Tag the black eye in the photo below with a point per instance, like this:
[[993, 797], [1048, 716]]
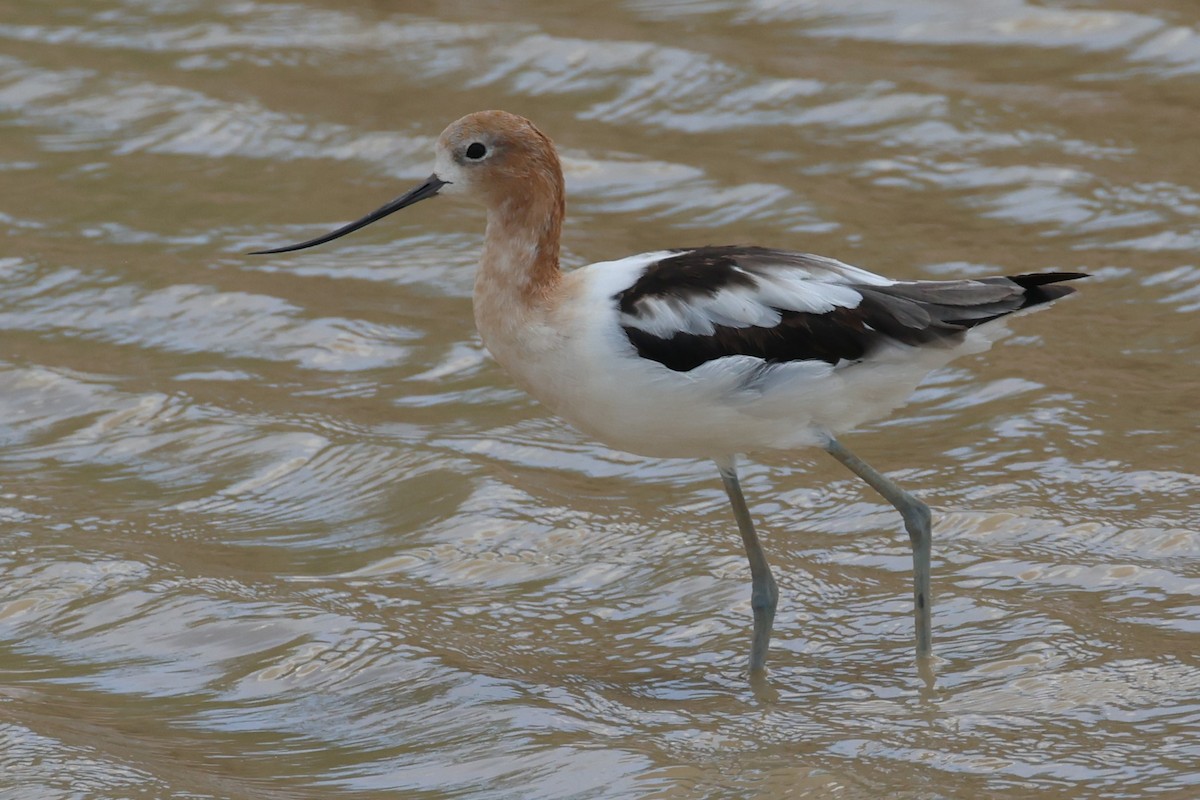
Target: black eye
[[476, 151]]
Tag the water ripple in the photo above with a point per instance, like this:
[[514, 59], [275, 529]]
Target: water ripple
[[279, 528]]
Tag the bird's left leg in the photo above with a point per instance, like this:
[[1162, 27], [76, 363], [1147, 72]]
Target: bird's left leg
[[916, 522], [763, 594]]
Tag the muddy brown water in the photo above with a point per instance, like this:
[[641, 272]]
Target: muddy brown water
[[278, 528]]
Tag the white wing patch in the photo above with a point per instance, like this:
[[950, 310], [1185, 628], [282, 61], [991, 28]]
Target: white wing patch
[[740, 306], [666, 316], [796, 292]]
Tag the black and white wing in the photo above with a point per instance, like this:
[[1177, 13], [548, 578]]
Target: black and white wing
[[698, 305]]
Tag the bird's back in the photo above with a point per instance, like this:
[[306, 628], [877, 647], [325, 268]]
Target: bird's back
[[703, 304]]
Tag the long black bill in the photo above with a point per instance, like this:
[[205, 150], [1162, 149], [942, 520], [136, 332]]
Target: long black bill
[[423, 192]]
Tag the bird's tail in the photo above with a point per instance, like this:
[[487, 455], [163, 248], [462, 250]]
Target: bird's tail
[[1043, 287]]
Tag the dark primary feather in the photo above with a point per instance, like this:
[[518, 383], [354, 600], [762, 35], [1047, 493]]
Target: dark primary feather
[[912, 313]]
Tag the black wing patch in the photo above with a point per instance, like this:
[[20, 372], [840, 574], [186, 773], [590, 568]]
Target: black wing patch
[[838, 335], [913, 313]]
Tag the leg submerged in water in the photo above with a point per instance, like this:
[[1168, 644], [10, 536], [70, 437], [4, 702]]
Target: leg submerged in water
[[764, 596], [917, 523]]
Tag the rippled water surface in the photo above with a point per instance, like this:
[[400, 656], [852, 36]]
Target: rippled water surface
[[277, 527]]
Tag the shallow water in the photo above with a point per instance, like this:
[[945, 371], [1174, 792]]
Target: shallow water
[[278, 528]]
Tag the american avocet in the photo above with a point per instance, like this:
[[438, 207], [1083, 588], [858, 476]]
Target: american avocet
[[705, 351]]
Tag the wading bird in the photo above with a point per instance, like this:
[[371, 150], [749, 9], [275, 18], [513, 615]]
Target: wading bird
[[708, 351]]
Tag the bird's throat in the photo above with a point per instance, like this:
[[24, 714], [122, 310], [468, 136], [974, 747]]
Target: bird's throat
[[519, 268]]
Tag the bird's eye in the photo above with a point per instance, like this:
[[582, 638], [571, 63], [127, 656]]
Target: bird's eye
[[476, 151]]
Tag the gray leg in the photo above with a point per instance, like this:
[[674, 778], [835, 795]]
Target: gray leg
[[916, 522], [763, 594]]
